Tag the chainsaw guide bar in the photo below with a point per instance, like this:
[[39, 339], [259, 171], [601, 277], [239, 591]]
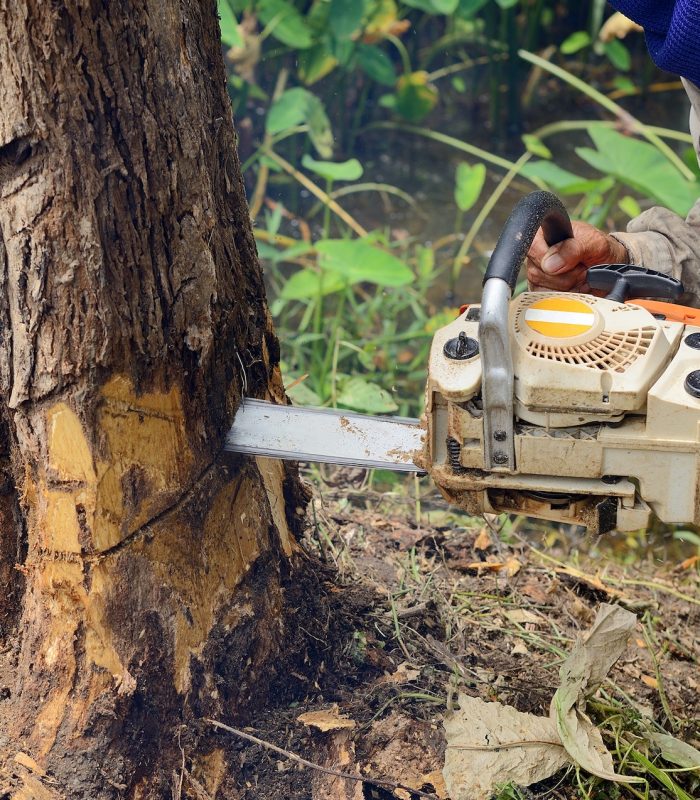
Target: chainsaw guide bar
[[326, 435]]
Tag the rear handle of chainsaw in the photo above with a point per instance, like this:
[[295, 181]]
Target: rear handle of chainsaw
[[539, 209]]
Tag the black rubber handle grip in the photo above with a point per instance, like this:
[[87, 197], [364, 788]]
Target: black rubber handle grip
[[538, 209]]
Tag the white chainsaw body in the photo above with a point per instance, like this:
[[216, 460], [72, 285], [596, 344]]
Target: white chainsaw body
[[603, 427]]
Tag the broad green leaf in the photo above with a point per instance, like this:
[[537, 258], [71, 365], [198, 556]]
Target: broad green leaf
[[271, 253], [536, 146], [507, 3], [434, 6], [346, 17], [285, 23], [320, 131], [618, 54], [361, 395], [307, 284], [469, 181], [468, 8], [640, 165], [350, 170], [315, 63], [230, 35], [557, 178], [415, 97], [630, 206], [290, 109], [376, 64], [303, 395], [343, 50], [577, 41], [296, 106], [358, 262]]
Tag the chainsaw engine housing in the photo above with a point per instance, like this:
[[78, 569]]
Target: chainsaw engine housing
[[604, 426]]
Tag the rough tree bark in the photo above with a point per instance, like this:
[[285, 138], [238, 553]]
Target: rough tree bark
[[142, 573]]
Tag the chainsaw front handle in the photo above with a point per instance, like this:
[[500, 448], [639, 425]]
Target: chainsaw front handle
[[539, 209]]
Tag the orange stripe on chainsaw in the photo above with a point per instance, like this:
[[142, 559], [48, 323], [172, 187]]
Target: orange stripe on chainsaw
[[560, 317]]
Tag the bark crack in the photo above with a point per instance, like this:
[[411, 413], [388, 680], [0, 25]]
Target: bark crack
[[144, 529]]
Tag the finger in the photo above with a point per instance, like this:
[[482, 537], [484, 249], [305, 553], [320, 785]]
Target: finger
[[563, 257], [564, 282], [538, 247]]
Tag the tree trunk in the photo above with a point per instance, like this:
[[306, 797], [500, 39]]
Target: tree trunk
[[143, 569]]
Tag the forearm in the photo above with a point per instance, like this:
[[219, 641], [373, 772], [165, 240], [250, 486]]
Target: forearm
[[661, 240]]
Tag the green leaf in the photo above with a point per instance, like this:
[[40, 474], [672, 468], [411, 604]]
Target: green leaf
[[577, 41], [350, 170], [425, 261], [557, 178], [469, 181], [315, 63], [376, 64], [288, 110], [624, 84], [346, 17], [360, 262], [361, 395], [469, 8], [303, 395], [434, 6], [687, 536], [618, 54], [640, 166], [507, 3], [415, 97], [285, 23], [296, 106], [230, 35], [307, 284], [630, 206], [536, 146]]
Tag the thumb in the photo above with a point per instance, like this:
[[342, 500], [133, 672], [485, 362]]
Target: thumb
[[562, 257]]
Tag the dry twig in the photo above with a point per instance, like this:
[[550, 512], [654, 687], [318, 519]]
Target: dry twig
[[380, 782]]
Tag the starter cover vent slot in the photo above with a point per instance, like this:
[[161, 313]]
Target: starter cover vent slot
[[610, 350]]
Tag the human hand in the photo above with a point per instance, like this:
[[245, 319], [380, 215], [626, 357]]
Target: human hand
[[564, 266]]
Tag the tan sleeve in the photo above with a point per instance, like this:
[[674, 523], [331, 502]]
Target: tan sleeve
[[661, 240]]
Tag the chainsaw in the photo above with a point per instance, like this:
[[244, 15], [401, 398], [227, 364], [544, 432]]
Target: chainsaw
[[576, 408]]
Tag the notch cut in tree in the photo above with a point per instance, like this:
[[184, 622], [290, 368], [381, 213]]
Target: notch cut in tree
[[144, 573]]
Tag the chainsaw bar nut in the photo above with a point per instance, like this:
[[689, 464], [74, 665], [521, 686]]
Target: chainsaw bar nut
[[461, 347]]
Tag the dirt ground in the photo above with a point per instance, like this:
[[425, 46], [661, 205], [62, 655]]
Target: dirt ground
[[439, 603]]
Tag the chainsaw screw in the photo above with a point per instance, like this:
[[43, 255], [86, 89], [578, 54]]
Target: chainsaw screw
[[499, 436], [499, 457]]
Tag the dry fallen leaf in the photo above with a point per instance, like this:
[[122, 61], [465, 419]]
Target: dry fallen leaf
[[489, 744], [404, 674], [512, 567], [522, 616], [581, 674], [675, 751], [329, 719], [483, 540], [650, 681], [530, 750], [519, 649]]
